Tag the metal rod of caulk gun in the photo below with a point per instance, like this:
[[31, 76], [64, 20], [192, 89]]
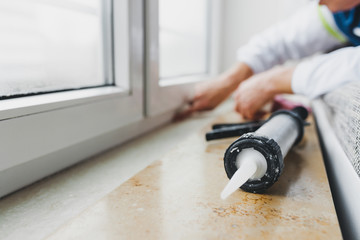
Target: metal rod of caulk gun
[[254, 162]]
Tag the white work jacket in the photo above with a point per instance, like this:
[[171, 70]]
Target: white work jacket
[[304, 34]]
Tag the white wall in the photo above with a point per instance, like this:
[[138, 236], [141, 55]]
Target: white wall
[[244, 18]]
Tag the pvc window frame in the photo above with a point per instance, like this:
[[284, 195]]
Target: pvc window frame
[[163, 96], [41, 126]]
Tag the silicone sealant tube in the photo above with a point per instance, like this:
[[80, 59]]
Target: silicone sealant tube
[[254, 162]]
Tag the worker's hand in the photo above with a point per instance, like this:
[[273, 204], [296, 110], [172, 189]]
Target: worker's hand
[[210, 94], [255, 92]]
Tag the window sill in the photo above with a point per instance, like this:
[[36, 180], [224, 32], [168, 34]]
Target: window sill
[[58, 198]]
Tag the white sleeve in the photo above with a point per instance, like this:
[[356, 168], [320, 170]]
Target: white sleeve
[[300, 36], [325, 73]]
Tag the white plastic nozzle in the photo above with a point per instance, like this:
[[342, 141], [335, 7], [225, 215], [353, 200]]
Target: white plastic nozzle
[[251, 164], [247, 169]]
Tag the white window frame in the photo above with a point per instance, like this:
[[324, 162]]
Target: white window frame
[[166, 96], [39, 133], [43, 134]]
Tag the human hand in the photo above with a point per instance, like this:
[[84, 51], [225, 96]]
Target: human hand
[[255, 92], [210, 94]]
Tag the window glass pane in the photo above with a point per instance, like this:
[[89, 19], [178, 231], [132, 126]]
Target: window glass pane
[[183, 37], [49, 45]]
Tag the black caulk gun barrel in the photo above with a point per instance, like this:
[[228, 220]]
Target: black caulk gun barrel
[[272, 140]]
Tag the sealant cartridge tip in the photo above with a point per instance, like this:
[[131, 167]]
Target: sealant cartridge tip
[[251, 165], [247, 169]]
